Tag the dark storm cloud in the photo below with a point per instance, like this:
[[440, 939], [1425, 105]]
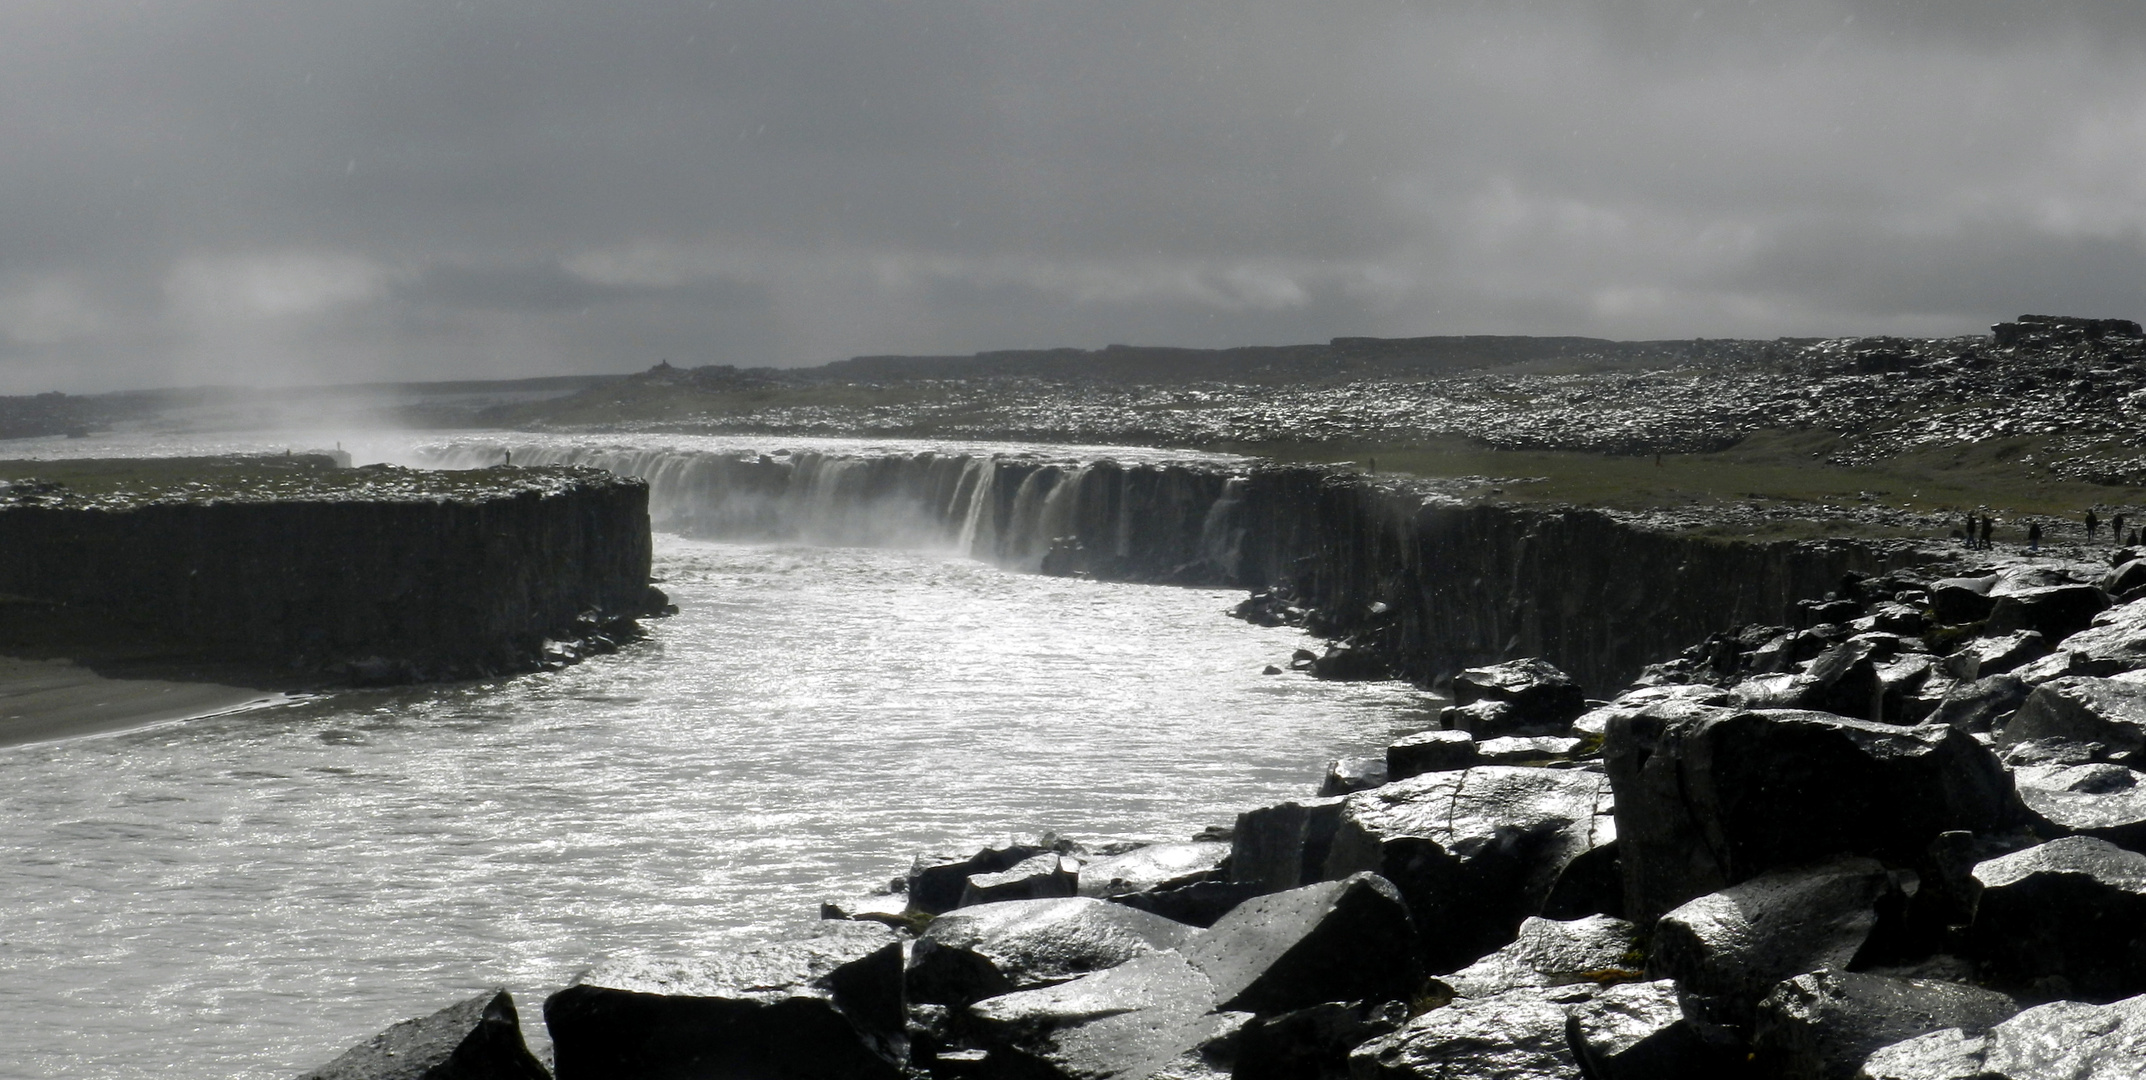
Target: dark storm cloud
[[203, 190]]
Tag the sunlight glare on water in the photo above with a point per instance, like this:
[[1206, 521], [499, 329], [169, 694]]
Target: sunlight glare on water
[[246, 896]]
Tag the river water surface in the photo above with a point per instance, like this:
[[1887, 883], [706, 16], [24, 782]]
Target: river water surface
[[246, 895]]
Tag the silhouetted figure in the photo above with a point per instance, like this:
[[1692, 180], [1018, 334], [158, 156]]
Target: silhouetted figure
[[2034, 536], [1986, 526], [2116, 529], [2091, 522], [509, 457]]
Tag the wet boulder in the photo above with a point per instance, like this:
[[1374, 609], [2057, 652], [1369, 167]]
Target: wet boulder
[[1982, 657], [1285, 845], [2111, 712], [2115, 642], [1981, 705], [1824, 1025], [1475, 851], [2064, 919], [2063, 1040], [2055, 611], [1726, 950], [1483, 719], [991, 949], [828, 1005], [1346, 940], [1199, 903], [1154, 866], [1529, 750], [1133, 1020], [1548, 952], [2086, 798], [936, 881], [1348, 774], [477, 1039], [1035, 878], [1543, 698], [1707, 800], [1637, 1031], [1430, 751], [2124, 577], [1517, 1035], [1844, 680]]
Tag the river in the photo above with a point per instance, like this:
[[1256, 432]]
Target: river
[[245, 895]]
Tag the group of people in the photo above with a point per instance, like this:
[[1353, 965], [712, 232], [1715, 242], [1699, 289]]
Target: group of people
[[1979, 527]]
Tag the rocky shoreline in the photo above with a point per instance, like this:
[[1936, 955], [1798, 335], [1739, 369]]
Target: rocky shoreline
[[1900, 840]]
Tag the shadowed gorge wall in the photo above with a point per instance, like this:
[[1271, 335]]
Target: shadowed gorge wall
[[463, 584], [1432, 584]]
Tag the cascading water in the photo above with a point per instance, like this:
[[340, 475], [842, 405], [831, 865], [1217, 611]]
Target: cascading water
[[1147, 520]]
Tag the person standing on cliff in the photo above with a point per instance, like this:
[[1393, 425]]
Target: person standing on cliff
[[2091, 521], [1987, 524], [2034, 536], [2116, 529]]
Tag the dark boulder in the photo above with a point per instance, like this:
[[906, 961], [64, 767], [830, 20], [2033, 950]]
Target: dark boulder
[[1547, 952], [1726, 950], [1962, 600], [1347, 940], [1285, 845], [1154, 866], [1474, 852], [1200, 903], [1133, 1020], [936, 881], [1483, 719], [1981, 705], [1344, 662], [2088, 798], [825, 1006], [1035, 878], [1312, 1043], [1824, 1025], [477, 1039], [1542, 696], [1708, 800], [2064, 919], [2063, 1040], [1429, 751], [2111, 712], [1844, 680], [1517, 1035], [2055, 611], [991, 949], [1350, 774], [2124, 577], [1637, 1031]]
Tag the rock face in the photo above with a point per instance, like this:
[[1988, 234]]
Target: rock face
[[1707, 800], [829, 1005], [1130, 1021], [2111, 712], [1517, 1035], [990, 949], [383, 584], [1727, 950], [1826, 1024], [2065, 919], [1547, 952], [1474, 852], [478, 1039], [1347, 940], [1155, 866], [2063, 1040], [1543, 699], [1637, 1031]]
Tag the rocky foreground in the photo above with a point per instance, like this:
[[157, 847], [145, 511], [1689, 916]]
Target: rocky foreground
[[1905, 840]]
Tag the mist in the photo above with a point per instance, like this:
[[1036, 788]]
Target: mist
[[235, 191]]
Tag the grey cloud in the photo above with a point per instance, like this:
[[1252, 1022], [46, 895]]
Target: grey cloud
[[433, 188]]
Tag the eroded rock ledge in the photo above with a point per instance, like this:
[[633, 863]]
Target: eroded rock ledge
[[375, 574]]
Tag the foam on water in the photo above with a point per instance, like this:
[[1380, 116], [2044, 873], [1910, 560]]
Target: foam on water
[[244, 896]]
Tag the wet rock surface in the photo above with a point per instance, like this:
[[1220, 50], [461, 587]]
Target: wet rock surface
[[1519, 1035], [1827, 1023], [477, 1039], [2063, 1040], [2065, 919], [991, 949]]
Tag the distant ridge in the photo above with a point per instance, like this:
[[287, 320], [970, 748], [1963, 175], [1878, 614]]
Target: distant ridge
[[1348, 356]]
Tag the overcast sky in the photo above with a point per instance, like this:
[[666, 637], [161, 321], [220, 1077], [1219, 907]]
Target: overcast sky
[[336, 190]]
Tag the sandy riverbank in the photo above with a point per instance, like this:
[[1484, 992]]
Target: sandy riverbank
[[58, 699]]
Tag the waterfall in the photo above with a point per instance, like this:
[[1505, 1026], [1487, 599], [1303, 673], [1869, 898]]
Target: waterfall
[[1148, 522]]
